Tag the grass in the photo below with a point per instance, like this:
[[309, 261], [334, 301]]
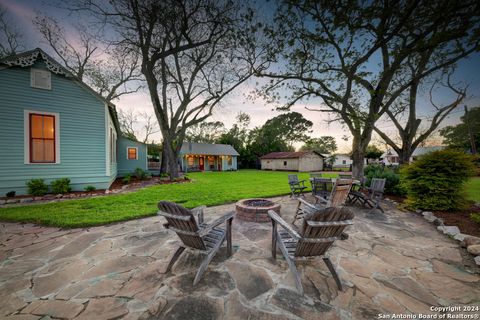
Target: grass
[[473, 189], [206, 188]]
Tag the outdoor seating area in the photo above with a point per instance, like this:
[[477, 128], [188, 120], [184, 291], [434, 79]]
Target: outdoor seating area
[[390, 262]]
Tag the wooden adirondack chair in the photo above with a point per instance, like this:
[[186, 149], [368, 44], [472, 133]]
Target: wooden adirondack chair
[[337, 198], [372, 195], [322, 187], [317, 235], [195, 234], [296, 186]]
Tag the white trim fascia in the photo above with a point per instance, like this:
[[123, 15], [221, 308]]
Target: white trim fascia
[[26, 136], [107, 141], [136, 153]]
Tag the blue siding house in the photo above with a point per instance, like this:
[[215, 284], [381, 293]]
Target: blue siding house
[[54, 126]]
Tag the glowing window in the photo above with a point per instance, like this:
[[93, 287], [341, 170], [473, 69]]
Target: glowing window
[[42, 138], [132, 153]]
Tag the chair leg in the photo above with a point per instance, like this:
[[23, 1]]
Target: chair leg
[[174, 259], [229, 237], [333, 272], [206, 261], [291, 264]]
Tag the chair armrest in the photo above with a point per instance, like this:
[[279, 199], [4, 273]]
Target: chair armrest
[[276, 218], [308, 204], [198, 213], [214, 223], [321, 199]]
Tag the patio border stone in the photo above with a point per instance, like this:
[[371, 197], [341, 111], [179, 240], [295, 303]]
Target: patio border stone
[[471, 243]]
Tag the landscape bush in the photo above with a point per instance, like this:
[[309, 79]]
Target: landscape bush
[[10, 194], [392, 184], [475, 217], [435, 181], [37, 187], [61, 185], [90, 188], [127, 179], [140, 174]]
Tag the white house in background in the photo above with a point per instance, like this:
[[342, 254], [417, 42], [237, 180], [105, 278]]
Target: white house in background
[[390, 158], [342, 160]]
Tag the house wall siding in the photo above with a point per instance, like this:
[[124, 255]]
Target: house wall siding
[[311, 162], [82, 132], [126, 166], [279, 164]]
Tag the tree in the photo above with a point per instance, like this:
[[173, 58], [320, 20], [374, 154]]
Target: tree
[[349, 54], [411, 134], [192, 54], [373, 152], [279, 134], [324, 145], [110, 71], [458, 136], [10, 36], [237, 136], [205, 132], [129, 125]]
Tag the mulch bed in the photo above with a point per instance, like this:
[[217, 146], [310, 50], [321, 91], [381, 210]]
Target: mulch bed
[[461, 219]]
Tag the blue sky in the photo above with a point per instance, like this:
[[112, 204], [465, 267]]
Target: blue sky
[[22, 12]]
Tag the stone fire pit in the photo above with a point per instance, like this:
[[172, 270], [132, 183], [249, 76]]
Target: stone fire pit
[[255, 210]]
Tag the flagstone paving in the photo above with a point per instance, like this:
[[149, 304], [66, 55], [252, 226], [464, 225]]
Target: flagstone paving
[[392, 263]]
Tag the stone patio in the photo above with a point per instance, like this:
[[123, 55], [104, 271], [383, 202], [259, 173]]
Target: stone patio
[[392, 263]]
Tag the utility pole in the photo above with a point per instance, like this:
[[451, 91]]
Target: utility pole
[[470, 135]]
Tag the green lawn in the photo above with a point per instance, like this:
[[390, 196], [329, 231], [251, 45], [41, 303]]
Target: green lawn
[[207, 188], [473, 189]]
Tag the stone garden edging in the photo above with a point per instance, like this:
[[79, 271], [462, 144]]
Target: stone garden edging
[[472, 243]]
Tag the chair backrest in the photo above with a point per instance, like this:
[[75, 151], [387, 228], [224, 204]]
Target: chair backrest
[[322, 186], [344, 176], [182, 221], [321, 229], [292, 179], [315, 175], [340, 192], [377, 185]]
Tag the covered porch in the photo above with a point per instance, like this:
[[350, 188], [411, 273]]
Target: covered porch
[[204, 162]]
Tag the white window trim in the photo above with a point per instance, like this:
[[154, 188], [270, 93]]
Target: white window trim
[[32, 82], [136, 153], [26, 137]]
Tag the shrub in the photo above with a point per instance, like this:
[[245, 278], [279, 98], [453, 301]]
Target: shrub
[[37, 187], [164, 175], [10, 194], [61, 185], [140, 174], [126, 179], [475, 217], [90, 188], [435, 181], [392, 185]]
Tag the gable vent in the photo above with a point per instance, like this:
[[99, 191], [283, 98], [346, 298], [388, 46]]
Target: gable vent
[[40, 79]]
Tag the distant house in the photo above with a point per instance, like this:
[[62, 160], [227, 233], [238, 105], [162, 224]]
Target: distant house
[[307, 161], [390, 158], [54, 126], [207, 157], [342, 161]]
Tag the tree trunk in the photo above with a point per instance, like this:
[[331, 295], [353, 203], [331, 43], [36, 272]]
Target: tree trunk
[[170, 156], [359, 146], [404, 156], [163, 163]]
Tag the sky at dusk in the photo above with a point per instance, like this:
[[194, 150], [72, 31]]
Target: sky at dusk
[[22, 12]]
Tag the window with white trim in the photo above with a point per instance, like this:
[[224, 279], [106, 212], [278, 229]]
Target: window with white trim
[[132, 153], [40, 79], [41, 137]]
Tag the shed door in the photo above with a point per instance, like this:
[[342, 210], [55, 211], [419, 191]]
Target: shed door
[[201, 164]]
